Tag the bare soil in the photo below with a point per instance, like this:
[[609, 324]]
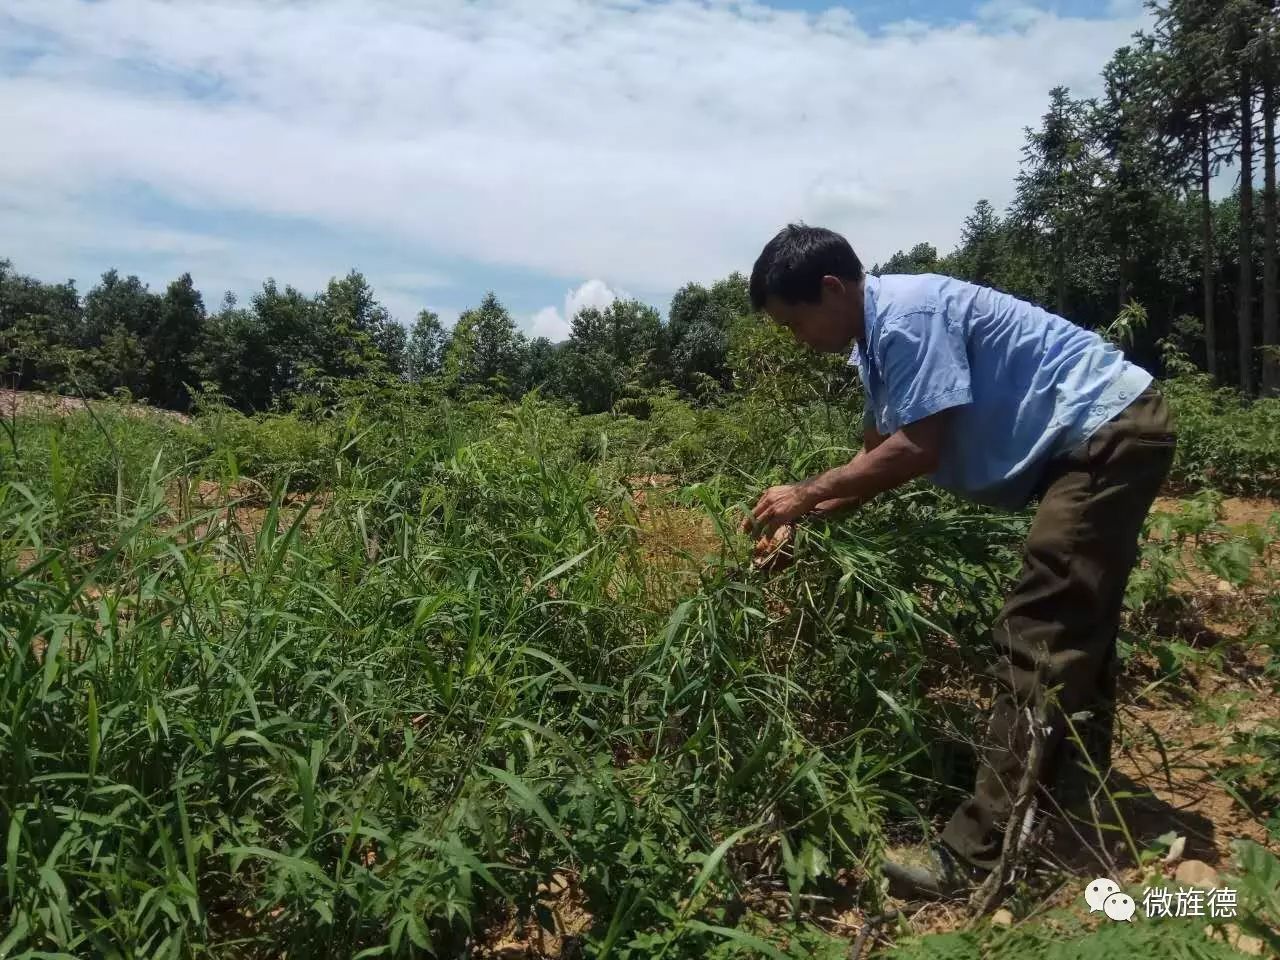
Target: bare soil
[[25, 402]]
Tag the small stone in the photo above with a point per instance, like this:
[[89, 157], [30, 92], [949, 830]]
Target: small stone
[[1002, 918], [1251, 946], [1236, 939], [1196, 873]]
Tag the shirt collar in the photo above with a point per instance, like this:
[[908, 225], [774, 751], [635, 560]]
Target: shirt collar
[[871, 287]]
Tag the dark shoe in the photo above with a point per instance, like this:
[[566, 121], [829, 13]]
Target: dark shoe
[[930, 872]]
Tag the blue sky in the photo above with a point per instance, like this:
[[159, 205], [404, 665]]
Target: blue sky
[[558, 153], [879, 13]]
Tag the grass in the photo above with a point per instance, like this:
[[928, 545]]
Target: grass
[[398, 681]]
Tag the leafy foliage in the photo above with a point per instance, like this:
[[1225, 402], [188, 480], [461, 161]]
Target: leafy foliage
[[363, 681]]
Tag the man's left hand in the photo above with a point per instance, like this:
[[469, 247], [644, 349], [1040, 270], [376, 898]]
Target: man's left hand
[[780, 505]]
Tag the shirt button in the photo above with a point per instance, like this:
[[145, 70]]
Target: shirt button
[[1124, 395]]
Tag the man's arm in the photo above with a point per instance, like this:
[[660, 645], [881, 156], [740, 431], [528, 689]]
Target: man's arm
[[925, 369], [926, 372], [911, 452], [871, 438]]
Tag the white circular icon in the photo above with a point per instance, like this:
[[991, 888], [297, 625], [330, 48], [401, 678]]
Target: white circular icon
[[1096, 893], [1119, 906]]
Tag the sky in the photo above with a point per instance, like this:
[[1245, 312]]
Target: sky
[[557, 152]]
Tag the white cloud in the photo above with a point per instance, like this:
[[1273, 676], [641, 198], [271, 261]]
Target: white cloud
[[653, 143], [549, 322], [554, 323], [593, 293]]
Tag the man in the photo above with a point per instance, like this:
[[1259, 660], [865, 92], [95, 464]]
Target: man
[[1001, 403]]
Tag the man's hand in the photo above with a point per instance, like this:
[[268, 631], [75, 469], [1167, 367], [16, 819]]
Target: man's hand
[[778, 506]]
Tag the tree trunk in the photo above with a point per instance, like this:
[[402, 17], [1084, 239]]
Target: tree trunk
[[1060, 279], [1270, 308], [1244, 305], [1207, 266]]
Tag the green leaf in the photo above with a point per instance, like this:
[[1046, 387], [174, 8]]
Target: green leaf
[[95, 740], [713, 862], [20, 928], [11, 851], [530, 800], [571, 562], [738, 936]]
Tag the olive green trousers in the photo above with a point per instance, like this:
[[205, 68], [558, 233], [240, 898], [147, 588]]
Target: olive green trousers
[[1055, 638]]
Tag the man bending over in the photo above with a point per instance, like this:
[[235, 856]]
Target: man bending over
[[1001, 403]]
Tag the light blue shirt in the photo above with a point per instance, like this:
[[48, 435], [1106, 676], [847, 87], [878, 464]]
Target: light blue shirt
[[1027, 383]]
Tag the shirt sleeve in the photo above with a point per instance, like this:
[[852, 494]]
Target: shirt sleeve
[[925, 367]]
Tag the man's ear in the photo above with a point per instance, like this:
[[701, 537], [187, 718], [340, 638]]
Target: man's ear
[[833, 285]]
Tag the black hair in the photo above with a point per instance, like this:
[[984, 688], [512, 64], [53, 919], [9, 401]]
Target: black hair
[[793, 263]]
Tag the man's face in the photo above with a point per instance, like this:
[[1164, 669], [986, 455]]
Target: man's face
[[830, 325]]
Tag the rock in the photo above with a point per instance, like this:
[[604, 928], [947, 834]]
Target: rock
[[1196, 873], [1002, 918], [1252, 946], [1249, 946]]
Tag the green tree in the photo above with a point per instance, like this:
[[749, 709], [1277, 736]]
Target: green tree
[[1266, 56], [1132, 181], [1056, 188], [922, 258], [541, 365], [119, 302], [286, 326], [698, 331], [392, 341], [172, 343], [979, 255], [349, 336], [486, 349], [1240, 22], [40, 332], [1193, 113], [119, 318], [237, 359], [428, 342], [609, 349]]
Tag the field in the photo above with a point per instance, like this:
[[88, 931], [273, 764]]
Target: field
[[424, 676]]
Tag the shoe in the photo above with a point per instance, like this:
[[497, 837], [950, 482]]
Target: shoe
[[929, 872]]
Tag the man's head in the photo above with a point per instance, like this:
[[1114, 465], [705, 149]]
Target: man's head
[[809, 280]]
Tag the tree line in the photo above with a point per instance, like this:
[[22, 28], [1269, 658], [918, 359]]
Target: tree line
[[1113, 201], [123, 337], [1112, 212]]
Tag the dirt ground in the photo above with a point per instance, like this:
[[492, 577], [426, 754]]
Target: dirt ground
[[15, 402]]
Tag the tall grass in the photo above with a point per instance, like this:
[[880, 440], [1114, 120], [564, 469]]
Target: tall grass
[[374, 702]]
